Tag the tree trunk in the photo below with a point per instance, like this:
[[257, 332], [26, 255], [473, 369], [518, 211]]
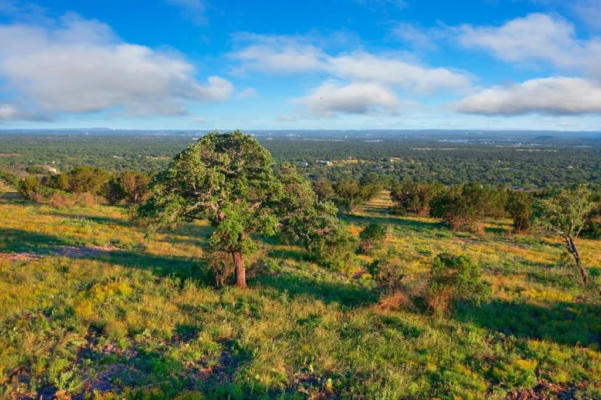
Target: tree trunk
[[571, 246], [240, 269]]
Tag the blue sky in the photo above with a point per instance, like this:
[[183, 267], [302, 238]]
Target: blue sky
[[330, 64]]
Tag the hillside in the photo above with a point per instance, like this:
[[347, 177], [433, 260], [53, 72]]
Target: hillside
[[89, 305]]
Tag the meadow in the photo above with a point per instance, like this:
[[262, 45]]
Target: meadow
[[92, 307]]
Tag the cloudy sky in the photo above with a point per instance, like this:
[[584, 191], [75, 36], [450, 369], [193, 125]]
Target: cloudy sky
[[289, 64]]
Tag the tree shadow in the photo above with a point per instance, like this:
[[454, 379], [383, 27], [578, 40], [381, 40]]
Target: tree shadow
[[562, 322], [94, 218], [288, 253], [20, 241], [399, 222], [347, 295]]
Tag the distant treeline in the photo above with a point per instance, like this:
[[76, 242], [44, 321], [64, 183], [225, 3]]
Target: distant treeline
[[535, 163], [461, 207]]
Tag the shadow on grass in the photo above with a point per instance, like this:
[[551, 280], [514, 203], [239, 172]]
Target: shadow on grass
[[561, 322], [345, 294], [19, 241], [94, 218], [400, 222], [285, 254]]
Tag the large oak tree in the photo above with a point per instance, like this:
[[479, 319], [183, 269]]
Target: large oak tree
[[227, 179]]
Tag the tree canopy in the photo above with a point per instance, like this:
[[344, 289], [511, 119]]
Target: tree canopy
[[226, 178]]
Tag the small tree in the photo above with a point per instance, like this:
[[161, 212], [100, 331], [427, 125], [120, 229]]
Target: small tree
[[128, 186], [519, 207], [323, 189], [226, 178], [414, 198], [372, 237], [455, 278], [29, 187], [564, 214]]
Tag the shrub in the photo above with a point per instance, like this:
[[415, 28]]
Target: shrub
[[519, 207], [220, 267], [129, 186], [388, 274], [414, 198], [9, 179], [350, 194], [30, 188], [334, 248], [372, 237], [464, 207], [455, 278]]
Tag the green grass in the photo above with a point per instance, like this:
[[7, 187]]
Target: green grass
[[125, 316]]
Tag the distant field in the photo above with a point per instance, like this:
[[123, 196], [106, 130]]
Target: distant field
[[89, 305]]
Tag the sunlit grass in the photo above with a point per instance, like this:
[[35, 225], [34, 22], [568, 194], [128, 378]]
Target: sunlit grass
[[135, 314]]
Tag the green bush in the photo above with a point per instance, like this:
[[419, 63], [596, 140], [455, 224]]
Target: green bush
[[372, 237], [455, 278]]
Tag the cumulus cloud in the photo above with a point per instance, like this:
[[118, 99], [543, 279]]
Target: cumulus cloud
[[293, 55], [80, 66], [534, 38], [278, 54], [355, 98], [389, 71], [552, 96]]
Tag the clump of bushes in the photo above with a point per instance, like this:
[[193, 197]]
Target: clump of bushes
[[350, 194], [128, 187], [372, 237], [463, 207], [85, 186], [413, 197], [455, 278]]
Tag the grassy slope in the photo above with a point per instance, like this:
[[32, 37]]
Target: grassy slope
[[87, 303]]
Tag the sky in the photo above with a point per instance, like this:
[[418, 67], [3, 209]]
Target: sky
[[289, 64]]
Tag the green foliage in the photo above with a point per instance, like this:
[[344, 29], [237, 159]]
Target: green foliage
[[29, 187], [388, 274], [35, 169], [414, 198], [565, 212], [323, 189], [350, 194], [8, 178], [80, 180], [226, 178], [463, 207], [129, 186], [519, 207], [455, 278], [330, 243], [372, 237]]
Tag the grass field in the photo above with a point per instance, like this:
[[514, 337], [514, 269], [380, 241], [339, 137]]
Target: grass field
[[90, 307]]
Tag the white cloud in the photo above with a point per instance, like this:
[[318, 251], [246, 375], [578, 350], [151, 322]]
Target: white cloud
[[295, 55], [278, 54], [390, 71], [552, 96], [415, 37], [535, 38], [80, 66], [355, 98], [194, 10]]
